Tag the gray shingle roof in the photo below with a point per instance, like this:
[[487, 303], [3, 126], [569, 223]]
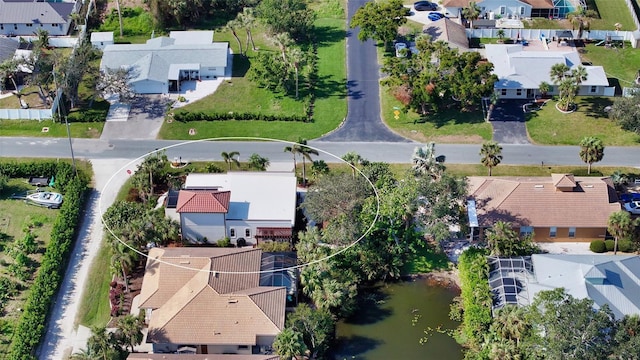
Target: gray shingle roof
[[35, 12], [8, 48]]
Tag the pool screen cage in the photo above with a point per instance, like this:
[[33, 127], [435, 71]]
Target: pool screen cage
[[561, 8], [508, 278]]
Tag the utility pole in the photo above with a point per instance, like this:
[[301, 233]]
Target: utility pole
[[66, 121]]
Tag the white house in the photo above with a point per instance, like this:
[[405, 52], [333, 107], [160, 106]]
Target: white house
[[249, 207], [161, 64], [491, 9], [520, 71], [25, 17], [100, 40]]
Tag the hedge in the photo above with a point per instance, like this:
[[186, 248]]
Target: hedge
[[476, 295], [186, 116], [625, 246], [598, 246], [62, 171], [31, 326], [609, 244]]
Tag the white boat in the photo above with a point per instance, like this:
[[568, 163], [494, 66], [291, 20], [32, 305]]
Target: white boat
[[45, 198]]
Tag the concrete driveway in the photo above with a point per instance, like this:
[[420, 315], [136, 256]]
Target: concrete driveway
[[508, 122], [363, 121], [144, 121]]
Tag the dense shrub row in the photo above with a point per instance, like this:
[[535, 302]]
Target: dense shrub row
[[62, 171], [475, 294], [598, 246], [31, 325], [185, 116]]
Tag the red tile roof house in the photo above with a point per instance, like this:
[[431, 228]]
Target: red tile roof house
[[210, 300], [245, 206], [556, 209]]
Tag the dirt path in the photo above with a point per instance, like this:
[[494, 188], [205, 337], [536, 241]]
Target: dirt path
[[61, 336]]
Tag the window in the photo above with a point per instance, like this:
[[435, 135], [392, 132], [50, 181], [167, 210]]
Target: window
[[232, 232], [519, 92], [29, 25], [521, 10], [593, 89], [526, 230], [553, 231], [572, 232], [54, 25], [503, 10], [247, 232], [15, 26], [243, 347], [503, 92], [1, 26]]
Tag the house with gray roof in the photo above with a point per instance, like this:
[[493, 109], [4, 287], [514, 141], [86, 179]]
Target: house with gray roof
[[161, 64], [605, 279], [25, 17], [520, 71]]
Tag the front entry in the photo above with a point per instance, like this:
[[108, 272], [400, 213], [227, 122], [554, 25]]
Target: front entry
[[531, 93]]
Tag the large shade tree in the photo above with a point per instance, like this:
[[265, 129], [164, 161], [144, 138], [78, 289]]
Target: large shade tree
[[380, 20], [591, 151]]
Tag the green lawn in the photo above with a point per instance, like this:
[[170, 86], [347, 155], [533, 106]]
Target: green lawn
[[535, 170], [33, 128], [241, 95], [94, 308], [611, 12], [544, 23], [621, 64], [550, 127], [450, 126]]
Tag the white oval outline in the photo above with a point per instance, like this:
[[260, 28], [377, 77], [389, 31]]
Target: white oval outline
[[299, 266]]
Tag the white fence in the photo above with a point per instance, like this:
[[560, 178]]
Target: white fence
[[534, 34], [633, 14], [32, 114]]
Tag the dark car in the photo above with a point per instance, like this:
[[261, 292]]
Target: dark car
[[629, 197], [425, 6], [435, 16]]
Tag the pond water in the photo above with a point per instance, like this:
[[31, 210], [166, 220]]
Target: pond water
[[382, 327]]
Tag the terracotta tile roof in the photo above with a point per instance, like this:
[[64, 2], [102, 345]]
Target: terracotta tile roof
[[196, 305], [140, 356], [563, 180], [203, 201], [537, 201]]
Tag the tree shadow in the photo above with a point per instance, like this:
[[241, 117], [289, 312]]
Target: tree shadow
[[327, 35], [370, 310], [354, 94], [594, 106], [354, 346], [13, 188], [327, 87], [241, 65]]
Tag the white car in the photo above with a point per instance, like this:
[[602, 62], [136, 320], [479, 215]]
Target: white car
[[401, 49], [633, 207]]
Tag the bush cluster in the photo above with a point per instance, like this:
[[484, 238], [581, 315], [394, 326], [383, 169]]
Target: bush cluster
[[476, 295], [116, 290], [609, 244], [62, 171], [626, 246], [31, 325], [598, 246], [186, 116]]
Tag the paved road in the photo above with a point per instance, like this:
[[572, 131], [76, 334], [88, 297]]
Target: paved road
[[363, 121], [374, 151], [508, 121]]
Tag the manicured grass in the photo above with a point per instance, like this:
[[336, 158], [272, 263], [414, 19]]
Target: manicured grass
[[241, 95], [450, 126], [544, 23], [535, 170], [549, 126], [622, 64], [33, 128], [426, 260], [611, 12], [94, 308]]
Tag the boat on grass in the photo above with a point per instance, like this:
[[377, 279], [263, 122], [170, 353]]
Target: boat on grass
[[47, 199]]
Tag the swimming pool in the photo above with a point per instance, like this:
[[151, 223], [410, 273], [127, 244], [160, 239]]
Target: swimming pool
[[565, 7]]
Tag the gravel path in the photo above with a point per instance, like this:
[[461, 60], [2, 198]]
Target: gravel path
[[61, 337]]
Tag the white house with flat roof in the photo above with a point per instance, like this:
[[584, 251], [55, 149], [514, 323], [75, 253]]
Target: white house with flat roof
[[161, 64], [606, 279], [249, 207], [520, 71], [100, 39]]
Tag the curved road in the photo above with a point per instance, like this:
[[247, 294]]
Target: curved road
[[363, 122]]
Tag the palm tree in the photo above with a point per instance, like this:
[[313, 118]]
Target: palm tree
[[129, 330], [119, 15], [289, 344], [471, 13], [581, 19], [122, 261], [501, 35], [230, 157], [296, 59], [425, 161], [282, 41], [544, 88], [293, 149], [558, 72], [579, 74], [318, 168], [591, 150], [231, 26], [354, 159], [491, 154], [102, 343], [305, 152], [510, 323], [258, 162], [620, 225], [43, 39], [248, 21], [84, 355]]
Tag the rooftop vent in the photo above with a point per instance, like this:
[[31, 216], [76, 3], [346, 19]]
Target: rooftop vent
[[538, 186], [185, 262], [232, 301]]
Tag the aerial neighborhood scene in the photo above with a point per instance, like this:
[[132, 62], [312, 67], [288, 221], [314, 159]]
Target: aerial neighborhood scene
[[319, 179]]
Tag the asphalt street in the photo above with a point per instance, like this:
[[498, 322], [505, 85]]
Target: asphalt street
[[363, 122], [274, 151]]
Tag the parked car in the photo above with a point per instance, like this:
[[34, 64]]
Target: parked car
[[630, 197], [633, 207], [425, 6], [435, 16], [401, 49]]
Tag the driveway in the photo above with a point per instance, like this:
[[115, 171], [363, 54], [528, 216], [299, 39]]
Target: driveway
[[363, 121], [508, 122], [144, 121]]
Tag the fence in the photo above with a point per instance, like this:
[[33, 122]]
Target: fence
[[32, 114], [533, 34], [633, 13]]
